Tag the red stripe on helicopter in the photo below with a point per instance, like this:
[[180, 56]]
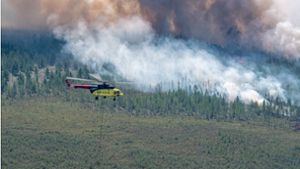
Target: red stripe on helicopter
[[80, 86]]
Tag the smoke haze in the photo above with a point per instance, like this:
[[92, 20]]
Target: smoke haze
[[131, 46], [140, 39]]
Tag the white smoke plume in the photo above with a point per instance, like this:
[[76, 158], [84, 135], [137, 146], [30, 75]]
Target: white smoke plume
[[284, 38], [140, 56]]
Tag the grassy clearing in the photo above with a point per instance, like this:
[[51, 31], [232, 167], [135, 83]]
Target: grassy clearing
[[52, 133]]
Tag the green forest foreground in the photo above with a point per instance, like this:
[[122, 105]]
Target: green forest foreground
[[47, 125], [51, 132]]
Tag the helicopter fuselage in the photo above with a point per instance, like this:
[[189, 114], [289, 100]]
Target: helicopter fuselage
[[115, 92], [99, 90]]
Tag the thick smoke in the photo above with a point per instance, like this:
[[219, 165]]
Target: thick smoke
[[166, 41], [261, 25], [241, 24]]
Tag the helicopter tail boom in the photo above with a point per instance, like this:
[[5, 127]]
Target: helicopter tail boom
[[80, 86]]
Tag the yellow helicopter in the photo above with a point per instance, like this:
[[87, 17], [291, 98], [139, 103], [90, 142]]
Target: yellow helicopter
[[97, 86]]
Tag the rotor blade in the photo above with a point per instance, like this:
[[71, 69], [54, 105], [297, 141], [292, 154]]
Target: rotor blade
[[123, 82], [97, 77], [80, 79]]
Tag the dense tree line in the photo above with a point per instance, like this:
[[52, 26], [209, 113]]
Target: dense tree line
[[30, 80]]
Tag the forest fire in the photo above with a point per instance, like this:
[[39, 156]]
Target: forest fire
[[140, 39]]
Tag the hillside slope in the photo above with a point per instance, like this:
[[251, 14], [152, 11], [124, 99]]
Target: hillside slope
[[59, 134]]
